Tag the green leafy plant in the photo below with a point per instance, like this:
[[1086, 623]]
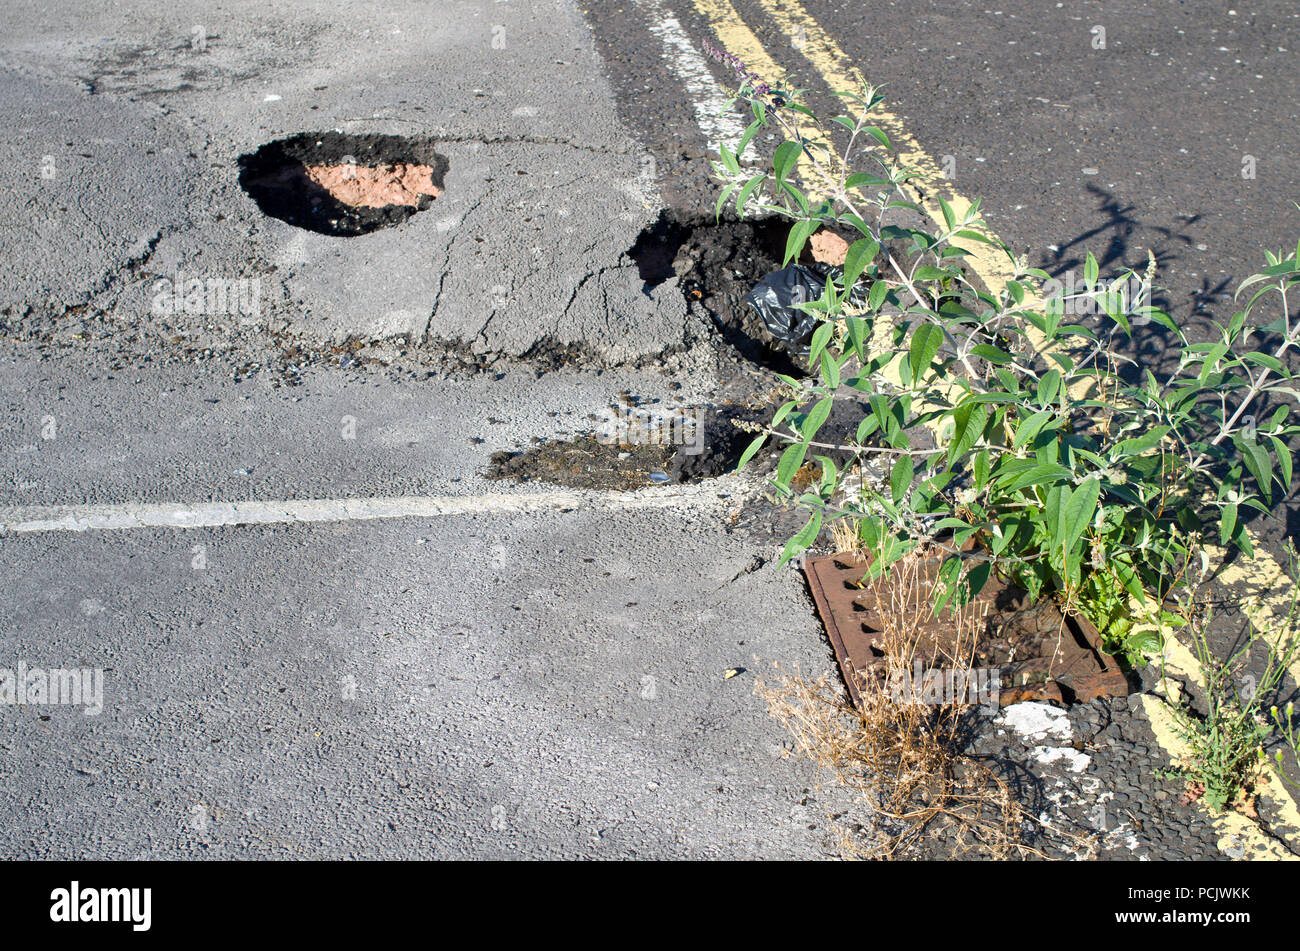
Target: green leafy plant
[[1001, 431], [1228, 741]]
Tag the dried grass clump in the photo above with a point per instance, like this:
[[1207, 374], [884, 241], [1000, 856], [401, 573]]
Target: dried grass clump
[[905, 757]]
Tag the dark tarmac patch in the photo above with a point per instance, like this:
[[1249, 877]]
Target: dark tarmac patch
[[584, 463], [275, 176], [587, 462]]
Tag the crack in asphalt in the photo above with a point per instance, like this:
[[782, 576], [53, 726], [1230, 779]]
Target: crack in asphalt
[[446, 267], [553, 141]]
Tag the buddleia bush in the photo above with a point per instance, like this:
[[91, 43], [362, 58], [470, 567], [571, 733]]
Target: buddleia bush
[[1004, 434]]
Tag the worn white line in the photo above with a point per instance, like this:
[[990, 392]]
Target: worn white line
[[719, 122], [81, 518]]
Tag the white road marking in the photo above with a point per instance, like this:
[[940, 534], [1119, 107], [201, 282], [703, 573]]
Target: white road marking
[[718, 121], [132, 515]]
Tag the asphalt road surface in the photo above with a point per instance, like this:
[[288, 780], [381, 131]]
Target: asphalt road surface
[[322, 632]]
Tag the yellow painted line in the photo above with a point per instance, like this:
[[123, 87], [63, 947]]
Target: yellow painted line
[[739, 40], [839, 73], [994, 269], [1179, 661], [1265, 588], [989, 264]]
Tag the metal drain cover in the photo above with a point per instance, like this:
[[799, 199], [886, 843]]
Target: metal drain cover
[[1040, 653]]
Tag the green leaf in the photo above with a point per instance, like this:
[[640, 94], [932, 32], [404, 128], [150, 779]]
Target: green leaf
[[948, 218], [1038, 475], [976, 236], [795, 194], [927, 272], [1227, 522], [1030, 427], [1280, 269], [830, 371], [750, 131], [878, 136], [969, 420], [1077, 512], [722, 199], [1140, 444], [821, 336], [1048, 386], [981, 470], [857, 328], [799, 233], [1148, 642], [863, 180], [729, 160], [863, 228], [900, 478], [816, 417], [925, 344], [876, 296], [861, 253], [868, 426], [790, 462], [880, 408], [784, 159], [991, 354], [1283, 460], [946, 583], [745, 192], [1090, 271], [1265, 360], [1256, 460], [805, 537], [1052, 506], [1242, 541]]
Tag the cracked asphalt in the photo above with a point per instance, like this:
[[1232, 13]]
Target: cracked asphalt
[[497, 682]]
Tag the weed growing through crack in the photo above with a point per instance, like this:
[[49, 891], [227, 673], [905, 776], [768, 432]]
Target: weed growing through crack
[[1229, 742], [906, 758]]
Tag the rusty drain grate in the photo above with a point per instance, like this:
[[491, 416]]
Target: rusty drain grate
[[1072, 668]]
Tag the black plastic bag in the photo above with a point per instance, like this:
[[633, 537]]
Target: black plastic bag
[[775, 297]]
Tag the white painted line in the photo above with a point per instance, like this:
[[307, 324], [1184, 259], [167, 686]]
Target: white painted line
[[132, 515], [718, 121]]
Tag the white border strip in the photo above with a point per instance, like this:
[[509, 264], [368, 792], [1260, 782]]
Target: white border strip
[[82, 518], [718, 121]]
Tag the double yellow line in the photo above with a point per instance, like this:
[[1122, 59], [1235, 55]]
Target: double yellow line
[[1261, 575]]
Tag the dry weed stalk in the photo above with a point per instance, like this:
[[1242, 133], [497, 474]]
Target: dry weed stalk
[[905, 756]]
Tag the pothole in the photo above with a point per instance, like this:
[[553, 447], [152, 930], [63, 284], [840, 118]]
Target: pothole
[[717, 264], [343, 185]]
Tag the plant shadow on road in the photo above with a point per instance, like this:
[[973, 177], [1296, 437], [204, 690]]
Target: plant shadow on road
[[1151, 346], [1121, 226]]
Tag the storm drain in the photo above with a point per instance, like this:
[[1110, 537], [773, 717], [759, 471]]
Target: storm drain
[[343, 185], [1037, 652]]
